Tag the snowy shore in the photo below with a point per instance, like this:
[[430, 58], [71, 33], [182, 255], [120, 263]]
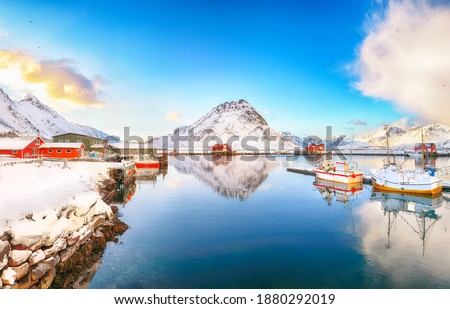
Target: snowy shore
[[47, 211]]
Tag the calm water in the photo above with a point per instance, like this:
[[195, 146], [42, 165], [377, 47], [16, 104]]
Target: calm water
[[253, 225]]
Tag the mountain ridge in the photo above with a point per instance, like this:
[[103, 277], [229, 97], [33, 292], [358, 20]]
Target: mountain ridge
[[30, 115]]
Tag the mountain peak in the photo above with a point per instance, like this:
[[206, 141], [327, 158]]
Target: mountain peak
[[30, 98]]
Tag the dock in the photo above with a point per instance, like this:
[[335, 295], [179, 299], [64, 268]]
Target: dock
[[366, 179]]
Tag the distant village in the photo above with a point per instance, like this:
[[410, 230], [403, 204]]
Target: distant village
[[76, 146]]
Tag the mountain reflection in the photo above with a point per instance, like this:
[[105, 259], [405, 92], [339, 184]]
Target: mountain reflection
[[228, 176]]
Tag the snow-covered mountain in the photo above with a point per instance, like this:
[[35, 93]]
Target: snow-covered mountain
[[31, 116], [236, 123], [437, 133]]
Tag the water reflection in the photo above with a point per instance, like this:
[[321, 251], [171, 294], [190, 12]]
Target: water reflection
[[150, 175], [339, 192], [228, 176], [418, 212]]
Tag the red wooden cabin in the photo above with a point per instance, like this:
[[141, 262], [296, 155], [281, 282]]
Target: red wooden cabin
[[21, 147], [62, 150], [316, 148], [221, 149], [427, 147]]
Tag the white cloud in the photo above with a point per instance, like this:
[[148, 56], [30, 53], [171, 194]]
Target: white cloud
[[403, 123], [173, 116], [358, 122], [405, 58]]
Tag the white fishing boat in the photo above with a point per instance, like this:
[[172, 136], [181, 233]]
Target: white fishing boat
[[393, 178], [342, 172]]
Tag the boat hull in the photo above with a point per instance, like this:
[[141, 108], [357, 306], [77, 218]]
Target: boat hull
[[389, 184], [347, 178], [408, 189], [147, 164]]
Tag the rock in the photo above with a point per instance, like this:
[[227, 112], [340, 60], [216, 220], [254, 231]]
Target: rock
[[26, 282], [76, 223], [59, 229], [21, 270], [67, 253], [37, 245], [39, 270], [96, 222], [36, 257], [43, 267], [85, 234], [47, 279], [73, 238], [5, 247], [18, 257], [8, 276], [52, 261], [58, 245]]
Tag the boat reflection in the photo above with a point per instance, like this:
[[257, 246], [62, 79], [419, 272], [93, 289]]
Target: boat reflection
[[228, 176], [339, 192], [418, 212], [150, 175]]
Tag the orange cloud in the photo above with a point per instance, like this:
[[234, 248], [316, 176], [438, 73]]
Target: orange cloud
[[61, 77], [174, 116]]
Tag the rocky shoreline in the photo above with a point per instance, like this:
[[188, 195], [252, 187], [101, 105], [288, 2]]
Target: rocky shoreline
[[69, 254]]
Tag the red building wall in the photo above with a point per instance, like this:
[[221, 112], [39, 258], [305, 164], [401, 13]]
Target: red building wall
[[66, 153]]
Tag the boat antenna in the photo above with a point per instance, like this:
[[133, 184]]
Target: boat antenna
[[386, 127]]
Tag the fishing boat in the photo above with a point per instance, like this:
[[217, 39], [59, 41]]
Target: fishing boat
[[148, 163], [342, 172], [393, 178]]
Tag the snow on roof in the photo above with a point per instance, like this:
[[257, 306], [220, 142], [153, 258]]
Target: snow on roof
[[62, 145], [73, 133], [15, 143]]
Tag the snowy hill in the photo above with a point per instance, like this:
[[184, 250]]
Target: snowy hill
[[32, 116], [437, 133], [236, 123]]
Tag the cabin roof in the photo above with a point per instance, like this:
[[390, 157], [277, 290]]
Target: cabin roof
[[16, 143], [62, 145]]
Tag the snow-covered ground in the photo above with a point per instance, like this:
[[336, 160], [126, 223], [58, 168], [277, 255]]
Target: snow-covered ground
[[33, 195]]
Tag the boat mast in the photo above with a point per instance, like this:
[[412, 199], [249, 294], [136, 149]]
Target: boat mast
[[386, 127], [423, 148]]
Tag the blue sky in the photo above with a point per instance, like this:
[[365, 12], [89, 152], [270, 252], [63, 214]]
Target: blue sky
[[156, 65]]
